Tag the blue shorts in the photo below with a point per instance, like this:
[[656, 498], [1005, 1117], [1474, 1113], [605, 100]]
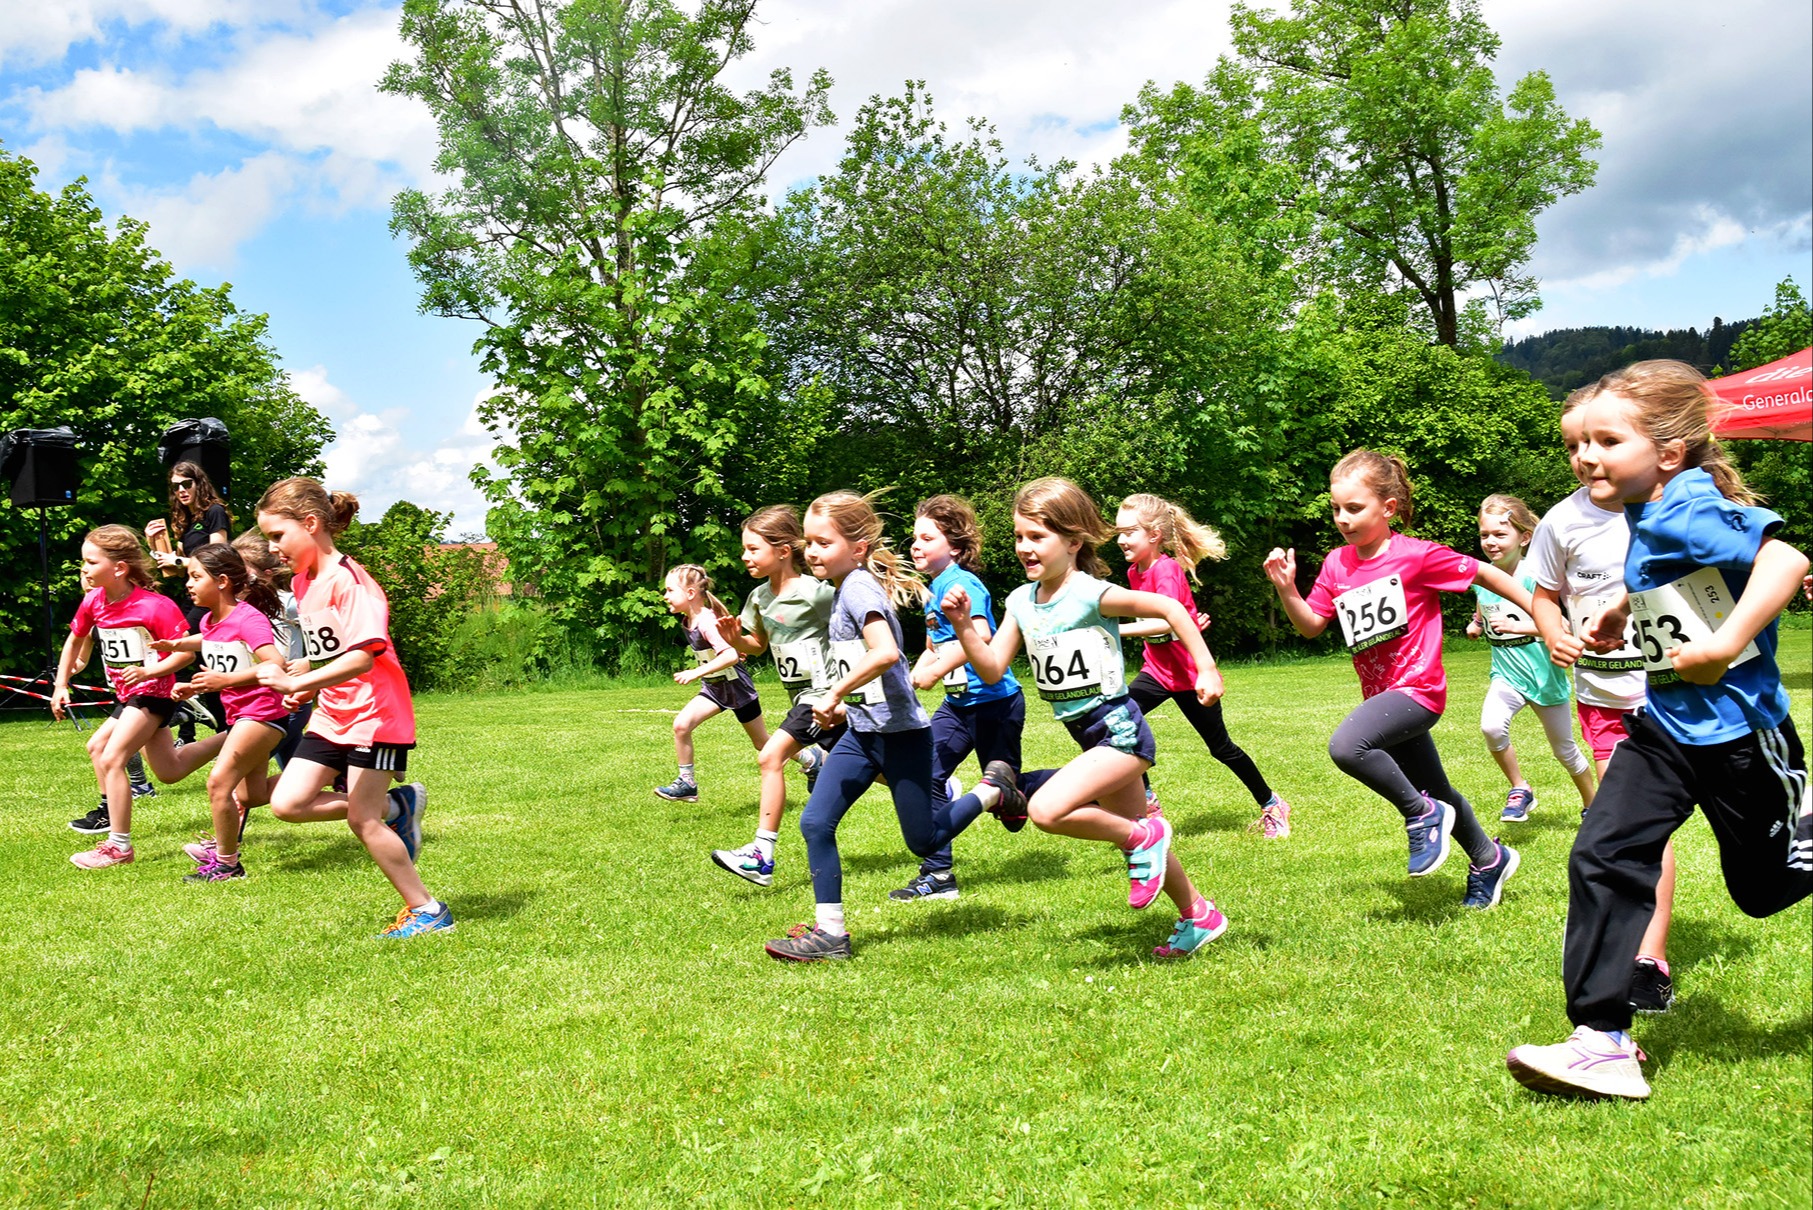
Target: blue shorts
[[1119, 724]]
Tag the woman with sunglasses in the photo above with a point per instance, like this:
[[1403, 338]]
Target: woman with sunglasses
[[198, 516]]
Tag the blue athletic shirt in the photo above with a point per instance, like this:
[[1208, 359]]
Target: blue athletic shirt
[[1693, 526], [888, 702], [1074, 651], [981, 605]]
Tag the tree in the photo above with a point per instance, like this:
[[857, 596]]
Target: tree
[[431, 588], [593, 147], [1389, 114], [1778, 470], [97, 333]]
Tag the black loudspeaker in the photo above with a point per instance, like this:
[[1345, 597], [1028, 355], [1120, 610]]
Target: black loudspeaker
[[41, 463], [205, 443]]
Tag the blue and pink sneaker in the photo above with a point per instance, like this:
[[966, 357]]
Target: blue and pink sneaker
[[1192, 933], [1146, 861]]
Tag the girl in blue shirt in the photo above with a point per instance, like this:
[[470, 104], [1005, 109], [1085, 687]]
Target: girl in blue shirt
[[1075, 653], [1705, 583]]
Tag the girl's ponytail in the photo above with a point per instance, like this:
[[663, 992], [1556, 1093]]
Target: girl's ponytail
[[1387, 476], [1670, 399], [855, 518], [1180, 535]]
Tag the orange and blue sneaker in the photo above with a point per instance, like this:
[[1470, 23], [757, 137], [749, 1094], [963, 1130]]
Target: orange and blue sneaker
[[412, 921], [1193, 932], [1146, 861]]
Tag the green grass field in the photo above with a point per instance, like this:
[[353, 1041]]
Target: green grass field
[[604, 1028]]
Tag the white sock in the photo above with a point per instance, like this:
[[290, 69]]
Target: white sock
[[686, 775], [953, 789], [987, 794], [764, 843], [124, 840], [392, 808], [432, 907], [831, 919], [809, 757]]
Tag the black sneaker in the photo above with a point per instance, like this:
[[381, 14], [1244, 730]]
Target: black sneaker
[[941, 885], [1011, 809], [92, 824], [1651, 990], [808, 943]]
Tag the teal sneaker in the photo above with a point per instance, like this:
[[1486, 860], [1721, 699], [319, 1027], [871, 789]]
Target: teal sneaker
[[411, 921], [1191, 935]]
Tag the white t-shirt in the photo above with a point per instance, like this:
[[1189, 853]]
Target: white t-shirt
[[1578, 551]]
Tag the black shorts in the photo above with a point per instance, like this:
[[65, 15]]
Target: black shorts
[[393, 758], [800, 726], [159, 707]]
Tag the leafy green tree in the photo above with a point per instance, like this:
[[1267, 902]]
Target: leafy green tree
[[431, 588], [97, 333], [1390, 117], [593, 147], [1778, 470]]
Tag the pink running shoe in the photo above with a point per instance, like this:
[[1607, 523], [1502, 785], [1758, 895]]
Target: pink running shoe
[[103, 855], [202, 851], [1274, 821], [1146, 862]]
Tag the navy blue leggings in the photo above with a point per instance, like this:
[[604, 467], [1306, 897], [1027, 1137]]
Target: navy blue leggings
[[927, 819], [989, 729]]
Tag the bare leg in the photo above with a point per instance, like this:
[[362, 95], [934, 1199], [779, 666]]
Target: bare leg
[[125, 736], [248, 746], [170, 764], [686, 722], [298, 796], [1585, 783], [779, 750], [757, 730], [365, 803], [1655, 937], [1099, 796], [1507, 764]]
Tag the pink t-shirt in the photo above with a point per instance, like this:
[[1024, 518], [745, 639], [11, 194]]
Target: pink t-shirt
[[343, 609], [1389, 614], [229, 646], [1167, 661], [123, 631]]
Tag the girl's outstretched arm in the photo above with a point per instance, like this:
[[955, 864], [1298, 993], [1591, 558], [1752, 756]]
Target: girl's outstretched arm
[[1281, 569], [989, 656], [1505, 586], [1124, 602]]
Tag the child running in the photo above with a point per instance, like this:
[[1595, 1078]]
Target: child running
[[364, 722], [888, 734], [126, 617], [788, 614], [1522, 674], [724, 683], [1706, 583], [1075, 653], [235, 638], [975, 716], [1383, 586], [1163, 545], [1577, 561]]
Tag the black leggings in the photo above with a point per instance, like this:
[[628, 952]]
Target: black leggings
[[1385, 746], [1150, 695]]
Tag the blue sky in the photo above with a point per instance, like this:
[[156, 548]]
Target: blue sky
[[250, 135]]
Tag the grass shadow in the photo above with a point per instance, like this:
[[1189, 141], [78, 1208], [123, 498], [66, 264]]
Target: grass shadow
[[344, 850], [1420, 900], [1031, 865], [493, 905], [1704, 1026], [1692, 940], [863, 863], [956, 920], [1797, 682], [1213, 821]]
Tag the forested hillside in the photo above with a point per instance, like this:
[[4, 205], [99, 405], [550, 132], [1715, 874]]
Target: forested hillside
[[1570, 357]]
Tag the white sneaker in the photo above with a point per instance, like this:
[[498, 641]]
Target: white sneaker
[[1589, 1063], [746, 862]]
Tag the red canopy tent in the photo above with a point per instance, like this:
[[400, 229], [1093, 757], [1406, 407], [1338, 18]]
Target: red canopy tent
[[1769, 401]]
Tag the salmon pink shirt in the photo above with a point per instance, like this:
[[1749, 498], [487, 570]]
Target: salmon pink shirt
[[123, 631], [230, 646], [1390, 615], [343, 609], [1167, 661]]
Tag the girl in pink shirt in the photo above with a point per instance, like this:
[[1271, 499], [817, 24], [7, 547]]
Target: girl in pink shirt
[[1163, 544], [235, 638], [123, 617], [1383, 588], [364, 724]]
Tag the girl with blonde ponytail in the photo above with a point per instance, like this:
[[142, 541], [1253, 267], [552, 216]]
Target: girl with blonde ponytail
[[1163, 544]]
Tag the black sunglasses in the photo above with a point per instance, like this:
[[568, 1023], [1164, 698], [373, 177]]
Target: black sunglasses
[[182, 485]]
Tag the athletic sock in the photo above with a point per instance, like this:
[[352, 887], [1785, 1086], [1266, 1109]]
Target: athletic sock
[[432, 907], [809, 757], [831, 919], [686, 775], [764, 843], [135, 769], [1141, 835], [987, 793], [1199, 911], [122, 839], [1620, 1036], [226, 858], [392, 806]]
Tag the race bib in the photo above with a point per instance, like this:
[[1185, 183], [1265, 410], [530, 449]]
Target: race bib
[[225, 658], [705, 655], [1580, 614], [800, 663], [845, 655], [126, 647], [957, 679], [321, 639], [1690, 610], [1506, 612], [1073, 664], [1373, 613]]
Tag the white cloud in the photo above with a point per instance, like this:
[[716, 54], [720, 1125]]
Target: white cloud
[[36, 32], [371, 458], [203, 222]]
